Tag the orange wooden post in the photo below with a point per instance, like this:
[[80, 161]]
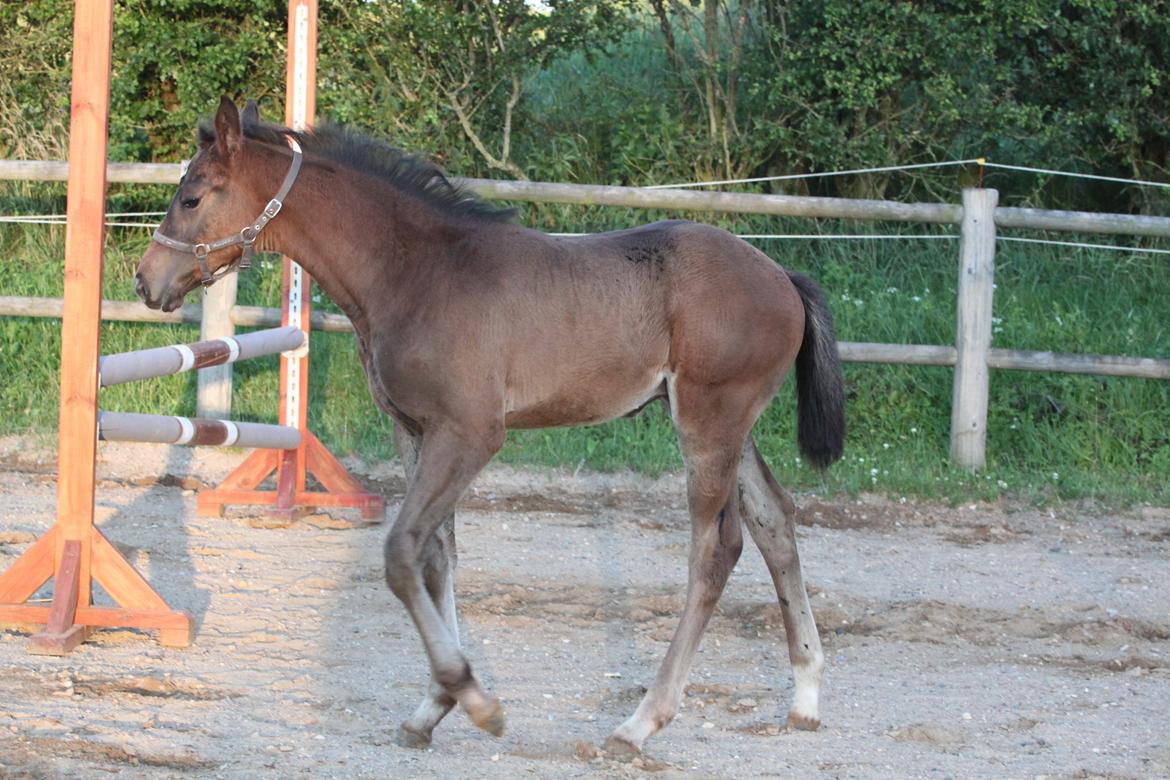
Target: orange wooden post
[[292, 466], [80, 553], [300, 104]]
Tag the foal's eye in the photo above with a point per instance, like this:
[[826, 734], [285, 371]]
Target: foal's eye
[[190, 203]]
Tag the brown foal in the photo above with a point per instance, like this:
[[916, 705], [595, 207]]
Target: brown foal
[[468, 324]]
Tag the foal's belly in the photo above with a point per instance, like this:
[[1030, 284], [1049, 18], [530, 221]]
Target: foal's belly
[[583, 403]]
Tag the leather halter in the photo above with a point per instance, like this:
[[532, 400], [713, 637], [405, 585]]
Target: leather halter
[[247, 236]]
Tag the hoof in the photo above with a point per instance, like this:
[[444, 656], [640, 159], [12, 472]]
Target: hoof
[[621, 748], [490, 718], [802, 722], [410, 738]]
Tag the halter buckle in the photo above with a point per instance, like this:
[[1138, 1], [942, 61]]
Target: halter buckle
[[206, 277], [248, 236]]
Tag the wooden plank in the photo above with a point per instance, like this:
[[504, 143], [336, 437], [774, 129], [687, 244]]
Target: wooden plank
[[328, 469], [121, 580], [99, 617], [287, 486], [339, 482], [220, 497], [688, 200], [1082, 222], [721, 202], [213, 397], [851, 351], [32, 570], [255, 468], [973, 329], [362, 500], [135, 311], [123, 173], [372, 506], [242, 481], [1072, 363], [84, 233], [903, 354], [296, 287], [264, 317], [62, 634]]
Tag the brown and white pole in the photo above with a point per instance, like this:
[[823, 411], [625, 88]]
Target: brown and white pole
[[164, 429], [162, 361]]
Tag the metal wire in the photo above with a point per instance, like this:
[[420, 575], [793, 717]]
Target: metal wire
[[977, 160]]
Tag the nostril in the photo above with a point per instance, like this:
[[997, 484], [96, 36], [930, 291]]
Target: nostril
[[140, 286]]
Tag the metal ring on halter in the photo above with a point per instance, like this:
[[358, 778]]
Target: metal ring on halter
[[248, 238]]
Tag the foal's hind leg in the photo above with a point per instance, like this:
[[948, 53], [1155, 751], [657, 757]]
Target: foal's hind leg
[[768, 513], [711, 452]]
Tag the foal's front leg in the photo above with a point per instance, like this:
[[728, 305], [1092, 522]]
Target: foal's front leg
[[448, 461], [439, 577], [440, 557]]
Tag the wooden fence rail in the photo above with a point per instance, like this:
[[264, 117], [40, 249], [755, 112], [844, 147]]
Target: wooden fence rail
[[978, 218], [687, 200], [851, 351]]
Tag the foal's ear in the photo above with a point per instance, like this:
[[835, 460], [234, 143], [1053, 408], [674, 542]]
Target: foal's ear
[[228, 135], [251, 114]]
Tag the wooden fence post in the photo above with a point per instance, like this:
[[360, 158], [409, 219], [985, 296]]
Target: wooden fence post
[[973, 328], [214, 397]]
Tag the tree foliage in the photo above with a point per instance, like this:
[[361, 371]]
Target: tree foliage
[[646, 91]]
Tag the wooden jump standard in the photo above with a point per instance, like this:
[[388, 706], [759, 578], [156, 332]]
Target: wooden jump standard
[[291, 467], [74, 553], [67, 620]]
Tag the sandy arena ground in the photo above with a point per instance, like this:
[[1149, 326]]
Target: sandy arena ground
[[968, 642]]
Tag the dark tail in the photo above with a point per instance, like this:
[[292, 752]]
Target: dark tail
[[820, 387]]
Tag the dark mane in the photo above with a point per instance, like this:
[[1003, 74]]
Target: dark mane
[[414, 174]]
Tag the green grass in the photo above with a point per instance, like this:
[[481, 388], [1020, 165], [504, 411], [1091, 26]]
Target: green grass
[[1051, 436]]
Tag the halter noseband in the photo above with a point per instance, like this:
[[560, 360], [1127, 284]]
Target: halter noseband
[[247, 236]]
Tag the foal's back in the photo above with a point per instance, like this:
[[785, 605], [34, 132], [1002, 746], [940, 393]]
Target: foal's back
[[593, 327]]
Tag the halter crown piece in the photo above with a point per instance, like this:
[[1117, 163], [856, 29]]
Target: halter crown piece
[[247, 236]]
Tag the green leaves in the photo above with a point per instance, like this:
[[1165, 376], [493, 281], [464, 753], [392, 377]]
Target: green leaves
[[173, 59]]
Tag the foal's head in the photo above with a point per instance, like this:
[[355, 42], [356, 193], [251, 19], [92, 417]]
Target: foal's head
[[208, 206]]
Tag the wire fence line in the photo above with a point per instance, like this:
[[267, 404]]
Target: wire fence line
[[982, 162], [59, 219], [817, 175]]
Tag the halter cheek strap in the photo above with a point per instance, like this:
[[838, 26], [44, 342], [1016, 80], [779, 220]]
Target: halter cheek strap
[[247, 236]]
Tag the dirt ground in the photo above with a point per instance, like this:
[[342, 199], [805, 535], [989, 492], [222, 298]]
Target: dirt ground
[[974, 641]]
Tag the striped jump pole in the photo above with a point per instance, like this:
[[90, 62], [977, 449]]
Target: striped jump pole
[[163, 361], [163, 429]]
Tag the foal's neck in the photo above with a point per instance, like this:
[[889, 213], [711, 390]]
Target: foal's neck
[[354, 234]]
